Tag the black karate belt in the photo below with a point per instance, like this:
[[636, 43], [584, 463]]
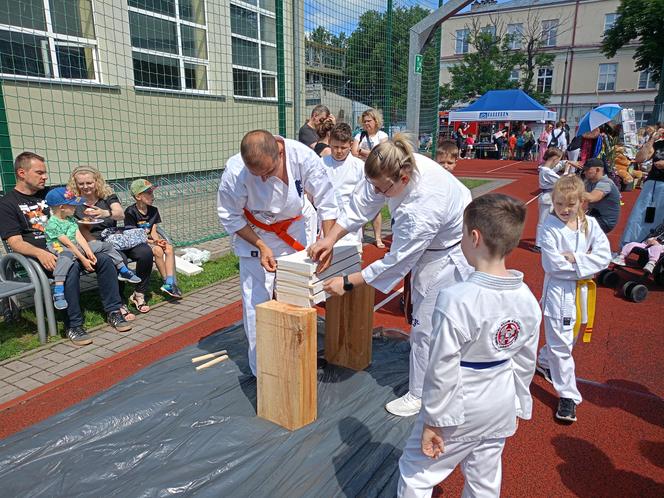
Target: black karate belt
[[481, 365], [446, 248]]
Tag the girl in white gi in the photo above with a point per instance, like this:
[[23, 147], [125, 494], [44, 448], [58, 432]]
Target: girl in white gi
[[548, 175], [574, 247], [260, 203], [483, 351], [427, 205]]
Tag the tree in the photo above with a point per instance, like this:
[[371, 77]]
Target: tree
[[639, 20]]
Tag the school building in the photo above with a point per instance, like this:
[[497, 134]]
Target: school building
[[580, 77]]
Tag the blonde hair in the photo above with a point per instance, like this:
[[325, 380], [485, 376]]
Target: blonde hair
[[375, 114], [571, 187], [391, 159], [102, 190]]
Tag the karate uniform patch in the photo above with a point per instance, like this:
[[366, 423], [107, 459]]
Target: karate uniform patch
[[506, 334]]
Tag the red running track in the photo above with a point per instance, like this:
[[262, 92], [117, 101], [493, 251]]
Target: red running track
[[616, 449]]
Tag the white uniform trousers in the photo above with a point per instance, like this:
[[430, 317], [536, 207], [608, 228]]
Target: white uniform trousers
[[429, 277], [544, 204], [257, 287], [556, 355], [481, 465]]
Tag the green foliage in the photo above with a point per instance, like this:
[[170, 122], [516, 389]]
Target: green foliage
[[640, 20], [322, 36]]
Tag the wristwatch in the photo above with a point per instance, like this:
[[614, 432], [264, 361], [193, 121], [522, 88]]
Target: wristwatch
[[348, 286]]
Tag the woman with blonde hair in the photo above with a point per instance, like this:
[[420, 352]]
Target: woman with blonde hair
[[427, 205], [101, 203], [372, 135]]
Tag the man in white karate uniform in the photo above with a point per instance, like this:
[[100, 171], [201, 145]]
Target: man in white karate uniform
[[260, 203]]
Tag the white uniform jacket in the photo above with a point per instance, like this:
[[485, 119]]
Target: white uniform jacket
[[592, 254], [484, 319], [549, 176], [426, 216], [272, 200], [345, 176]]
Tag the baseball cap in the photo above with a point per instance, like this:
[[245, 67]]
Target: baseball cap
[[60, 196], [595, 162], [140, 185]]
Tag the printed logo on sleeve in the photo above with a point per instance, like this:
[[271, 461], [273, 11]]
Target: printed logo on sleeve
[[506, 334]]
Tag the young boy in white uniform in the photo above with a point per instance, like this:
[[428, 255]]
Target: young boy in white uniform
[[482, 360], [345, 171], [260, 203]]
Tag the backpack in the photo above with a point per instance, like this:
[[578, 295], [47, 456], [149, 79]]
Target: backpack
[[554, 138]]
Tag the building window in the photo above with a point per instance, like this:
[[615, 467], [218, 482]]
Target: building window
[[609, 21], [606, 80], [462, 41], [489, 30], [645, 81], [544, 79], [515, 32], [254, 45], [549, 32], [514, 75], [642, 118], [52, 39], [169, 44]]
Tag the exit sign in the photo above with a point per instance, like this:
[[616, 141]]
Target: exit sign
[[418, 63]]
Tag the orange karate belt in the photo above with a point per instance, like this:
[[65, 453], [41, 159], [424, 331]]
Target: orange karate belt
[[280, 229], [585, 307]]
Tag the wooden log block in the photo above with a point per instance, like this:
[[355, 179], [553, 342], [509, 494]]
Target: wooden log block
[[286, 346], [348, 328]]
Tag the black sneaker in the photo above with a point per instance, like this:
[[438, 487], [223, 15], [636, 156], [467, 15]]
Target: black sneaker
[[79, 336], [118, 322], [566, 410], [544, 372]]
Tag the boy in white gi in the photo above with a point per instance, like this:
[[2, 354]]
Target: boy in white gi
[[482, 360], [345, 171], [260, 203], [574, 248]]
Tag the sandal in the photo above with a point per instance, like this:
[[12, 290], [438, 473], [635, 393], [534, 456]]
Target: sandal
[[128, 315], [380, 244], [138, 300]]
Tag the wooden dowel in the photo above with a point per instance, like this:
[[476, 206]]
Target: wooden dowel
[[208, 356], [212, 362]]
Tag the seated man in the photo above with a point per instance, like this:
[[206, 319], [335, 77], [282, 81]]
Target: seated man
[[23, 217], [602, 195]]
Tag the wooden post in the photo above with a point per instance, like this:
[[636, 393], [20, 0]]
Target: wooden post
[[286, 346], [348, 328]]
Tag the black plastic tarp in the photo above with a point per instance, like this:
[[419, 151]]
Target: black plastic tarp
[[172, 431]]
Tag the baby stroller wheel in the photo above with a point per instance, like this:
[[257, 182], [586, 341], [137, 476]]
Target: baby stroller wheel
[[608, 278], [627, 289], [639, 293]]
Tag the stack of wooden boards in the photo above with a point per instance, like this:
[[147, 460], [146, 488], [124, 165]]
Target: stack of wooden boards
[[297, 282]]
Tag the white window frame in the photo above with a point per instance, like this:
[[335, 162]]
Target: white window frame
[[180, 57], [465, 33], [515, 75], [603, 77], [55, 39], [547, 76], [639, 118], [550, 26], [259, 11], [517, 41], [489, 29], [650, 83], [609, 21]]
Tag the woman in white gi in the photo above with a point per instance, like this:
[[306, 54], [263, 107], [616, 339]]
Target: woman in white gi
[[260, 203], [427, 205], [574, 248]]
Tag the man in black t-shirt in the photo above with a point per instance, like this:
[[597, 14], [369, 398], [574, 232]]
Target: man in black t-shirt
[[23, 216], [308, 134]]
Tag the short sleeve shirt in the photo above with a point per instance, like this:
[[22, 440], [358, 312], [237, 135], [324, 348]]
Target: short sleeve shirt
[[24, 215], [609, 206], [655, 173], [369, 142], [57, 227], [307, 135], [109, 222], [134, 218]]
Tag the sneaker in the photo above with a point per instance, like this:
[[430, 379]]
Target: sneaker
[[405, 406], [566, 410], [126, 275], [619, 260], [117, 321], [172, 290], [59, 302], [79, 336], [650, 266], [544, 372]]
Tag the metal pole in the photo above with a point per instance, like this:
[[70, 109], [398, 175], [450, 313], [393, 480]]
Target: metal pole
[[6, 157], [297, 76], [387, 111], [658, 110], [436, 124], [281, 68]]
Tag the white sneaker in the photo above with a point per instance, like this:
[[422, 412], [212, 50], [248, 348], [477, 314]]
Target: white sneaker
[[405, 406], [649, 266], [619, 260]]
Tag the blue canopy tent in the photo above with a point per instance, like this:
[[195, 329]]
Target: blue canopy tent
[[504, 105]]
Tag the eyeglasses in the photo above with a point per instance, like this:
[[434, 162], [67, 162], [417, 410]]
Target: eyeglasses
[[377, 189]]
